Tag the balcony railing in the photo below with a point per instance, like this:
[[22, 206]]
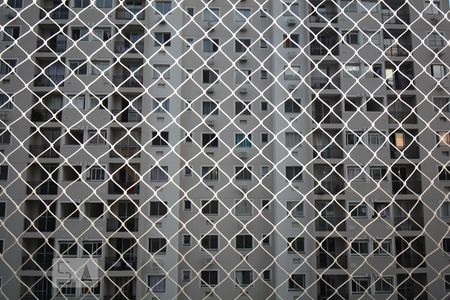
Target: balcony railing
[[130, 13], [401, 18], [120, 187], [402, 116], [37, 262], [44, 151], [127, 80], [409, 259], [52, 46], [327, 48], [408, 224], [327, 118], [329, 151], [42, 187], [409, 152], [44, 115], [330, 260], [59, 13], [397, 50], [128, 115], [43, 224], [325, 82], [49, 80], [323, 17], [406, 186], [120, 264], [330, 187], [401, 84], [122, 47], [119, 297], [122, 224], [126, 151], [330, 224]]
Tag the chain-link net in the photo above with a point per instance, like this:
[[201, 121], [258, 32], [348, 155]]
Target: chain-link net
[[212, 149]]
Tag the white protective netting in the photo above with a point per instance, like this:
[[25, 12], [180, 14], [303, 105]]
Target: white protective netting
[[246, 149]]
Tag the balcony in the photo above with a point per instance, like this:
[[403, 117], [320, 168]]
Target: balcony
[[397, 50], [59, 13], [330, 186], [127, 47], [126, 151], [123, 187], [124, 263], [333, 287], [325, 49], [123, 224], [127, 115], [48, 187], [325, 83], [44, 151], [40, 224], [330, 223], [131, 13], [49, 80], [329, 152], [37, 262], [127, 80], [323, 17], [403, 223], [332, 253], [389, 17], [52, 46], [45, 115]]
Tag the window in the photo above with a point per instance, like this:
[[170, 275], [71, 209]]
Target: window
[[161, 105], [262, 44], [297, 282], [447, 282], [6, 102], [102, 33], [243, 141], [189, 42], [351, 37], [441, 103], [360, 247], [373, 71], [356, 173], [264, 137], [244, 278], [244, 242], [211, 14], [210, 207], [358, 210], [242, 14], [264, 75], [381, 209], [378, 173], [98, 101], [292, 105], [66, 288], [267, 275], [7, 65], [292, 73], [210, 45], [15, 3], [96, 137], [158, 208], [242, 76], [442, 138], [210, 76], [68, 248], [360, 285], [162, 39], [242, 45], [352, 70], [80, 34], [266, 239], [100, 67], [190, 11], [432, 7], [290, 9], [163, 7], [264, 170], [294, 173], [243, 173], [70, 210], [444, 173], [160, 138], [1, 247], [349, 5], [210, 173], [381, 247], [159, 173], [5, 137], [242, 108], [186, 275], [187, 240], [291, 41], [295, 209], [296, 244], [187, 171], [436, 40], [79, 67], [11, 33], [157, 283], [157, 245], [384, 285], [210, 140], [2, 210], [438, 71], [103, 3], [95, 173], [3, 173], [210, 107], [92, 248], [187, 205], [375, 139], [210, 242], [161, 71], [446, 245], [292, 139], [243, 208], [81, 3], [209, 277]]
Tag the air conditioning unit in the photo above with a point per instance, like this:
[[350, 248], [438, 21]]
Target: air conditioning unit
[[291, 22], [210, 122], [243, 90], [292, 86], [211, 62], [4, 116], [243, 59], [210, 90], [242, 154]]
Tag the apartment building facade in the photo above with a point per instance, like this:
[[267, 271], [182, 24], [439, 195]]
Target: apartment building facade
[[225, 149]]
